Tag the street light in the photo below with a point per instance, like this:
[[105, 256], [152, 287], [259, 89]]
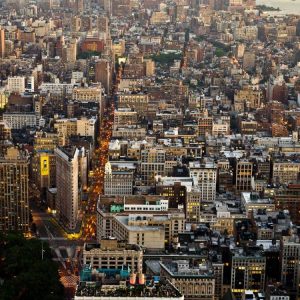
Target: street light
[[43, 250]]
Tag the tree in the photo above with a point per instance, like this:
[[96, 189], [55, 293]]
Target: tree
[[166, 58], [219, 52], [25, 275]]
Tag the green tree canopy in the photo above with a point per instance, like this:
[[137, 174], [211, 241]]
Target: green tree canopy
[[166, 58], [23, 273]]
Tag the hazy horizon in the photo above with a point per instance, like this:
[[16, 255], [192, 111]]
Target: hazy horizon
[[286, 6]]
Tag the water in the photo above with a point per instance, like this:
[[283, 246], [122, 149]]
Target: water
[[286, 6]]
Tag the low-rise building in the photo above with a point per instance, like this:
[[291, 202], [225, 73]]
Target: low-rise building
[[120, 290], [111, 254], [142, 220], [252, 201], [20, 120], [194, 283]]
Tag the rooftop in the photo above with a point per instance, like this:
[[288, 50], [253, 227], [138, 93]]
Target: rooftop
[[120, 289], [181, 268], [110, 244], [249, 197]]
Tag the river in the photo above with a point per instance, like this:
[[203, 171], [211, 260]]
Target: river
[[286, 6]]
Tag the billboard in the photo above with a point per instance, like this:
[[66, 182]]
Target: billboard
[[44, 165]]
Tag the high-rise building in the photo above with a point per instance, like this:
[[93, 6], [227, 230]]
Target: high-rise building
[[193, 205], [290, 264], [75, 24], [43, 168], [205, 124], [71, 172], [206, 175], [152, 164], [2, 43], [3, 97], [90, 94], [86, 23], [249, 60], [247, 271], [14, 206], [244, 171], [102, 24], [103, 73], [69, 52], [149, 66], [46, 141]]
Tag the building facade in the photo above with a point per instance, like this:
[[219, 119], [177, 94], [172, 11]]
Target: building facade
[[14, 204], [111, 254], [68, 186]]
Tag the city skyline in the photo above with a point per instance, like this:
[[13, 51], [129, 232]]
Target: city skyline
[[150, 149]]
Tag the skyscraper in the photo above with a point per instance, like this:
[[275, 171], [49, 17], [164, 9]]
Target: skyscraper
[[2, 43], [71, 174], [103, 73], [14, 206], [67, 186]]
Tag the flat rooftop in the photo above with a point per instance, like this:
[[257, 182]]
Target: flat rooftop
[[109, 288], [125, 219], [119, 246], [176, 270], [249, 197], [105, 202]]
